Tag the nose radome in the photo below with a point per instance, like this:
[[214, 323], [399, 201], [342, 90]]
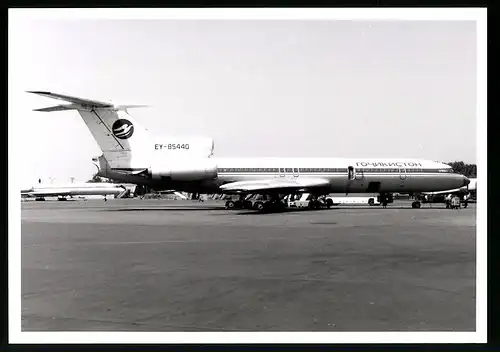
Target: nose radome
[[466, 181]]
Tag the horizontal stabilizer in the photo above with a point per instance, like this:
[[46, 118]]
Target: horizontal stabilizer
[[121, 107], [59, 108], [74, 100]]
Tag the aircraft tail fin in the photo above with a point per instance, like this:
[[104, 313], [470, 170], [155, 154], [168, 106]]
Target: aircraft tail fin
[[113, 128]]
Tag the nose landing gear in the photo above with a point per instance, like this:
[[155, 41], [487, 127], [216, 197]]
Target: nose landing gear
[[416, 204]]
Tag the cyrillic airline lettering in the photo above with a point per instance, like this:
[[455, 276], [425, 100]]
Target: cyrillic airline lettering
[[382, 164]]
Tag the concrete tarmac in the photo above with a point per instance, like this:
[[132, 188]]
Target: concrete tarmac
[[156, 265]]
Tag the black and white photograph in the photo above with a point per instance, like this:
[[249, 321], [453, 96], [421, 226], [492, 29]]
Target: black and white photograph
[[247, 175]]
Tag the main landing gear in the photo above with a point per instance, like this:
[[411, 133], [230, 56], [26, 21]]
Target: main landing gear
[[257, 202], [276, 203], [242, 203], [319, 202], [416, 204]]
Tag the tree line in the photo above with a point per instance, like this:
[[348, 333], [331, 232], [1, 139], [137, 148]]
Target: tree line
[[468, 170]]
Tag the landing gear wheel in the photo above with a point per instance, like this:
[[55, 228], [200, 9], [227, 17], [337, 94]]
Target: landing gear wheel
[[258, 205], [314, 204], [229, 204], [329, 203], [416, 205], [371, 202]]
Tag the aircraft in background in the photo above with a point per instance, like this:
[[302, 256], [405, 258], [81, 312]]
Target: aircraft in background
[[131, 154], [40, 191]]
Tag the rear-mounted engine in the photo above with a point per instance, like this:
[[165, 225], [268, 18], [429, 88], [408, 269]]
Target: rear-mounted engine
[[187, 170]]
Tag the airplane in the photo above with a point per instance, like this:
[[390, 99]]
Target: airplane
[[62, 191], [131, 154]]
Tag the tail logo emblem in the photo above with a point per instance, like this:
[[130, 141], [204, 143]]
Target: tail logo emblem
[[123, 129]]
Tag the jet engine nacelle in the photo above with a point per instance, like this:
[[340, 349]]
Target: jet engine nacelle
[[185, 170]]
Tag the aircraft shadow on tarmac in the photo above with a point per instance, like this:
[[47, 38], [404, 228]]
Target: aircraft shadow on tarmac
[[166, 208], [303, 210], [224, 211]]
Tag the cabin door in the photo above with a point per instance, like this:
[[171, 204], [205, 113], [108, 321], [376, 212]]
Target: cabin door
[[351, 173], [295, 172], [354, 180]]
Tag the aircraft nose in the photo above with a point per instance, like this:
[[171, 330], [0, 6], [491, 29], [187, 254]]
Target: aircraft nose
[[466, 181]]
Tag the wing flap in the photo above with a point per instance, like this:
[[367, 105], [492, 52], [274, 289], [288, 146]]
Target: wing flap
[[275, 185]]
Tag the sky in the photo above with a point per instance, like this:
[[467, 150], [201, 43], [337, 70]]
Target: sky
[[281, 88]]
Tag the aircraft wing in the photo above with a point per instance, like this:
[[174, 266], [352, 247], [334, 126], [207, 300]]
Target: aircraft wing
[[275, 185], [71, 99]]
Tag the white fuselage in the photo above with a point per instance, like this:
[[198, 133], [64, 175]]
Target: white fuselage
[[366, 175]]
